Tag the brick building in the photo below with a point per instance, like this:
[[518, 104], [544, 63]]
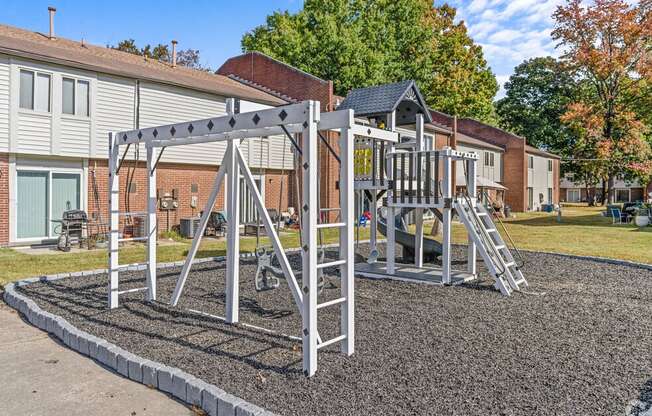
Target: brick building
[[530, 175], [59, 99]]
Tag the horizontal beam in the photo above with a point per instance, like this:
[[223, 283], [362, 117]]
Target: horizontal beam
[[375, 133], [288, 114], [242, 134]]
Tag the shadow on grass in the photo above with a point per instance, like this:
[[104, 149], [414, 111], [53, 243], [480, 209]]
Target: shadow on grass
[[580, 220]]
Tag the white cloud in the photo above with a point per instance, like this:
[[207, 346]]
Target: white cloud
[[505, 36], [502, 79]]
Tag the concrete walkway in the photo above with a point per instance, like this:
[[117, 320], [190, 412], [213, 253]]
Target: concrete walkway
[[39, 376]]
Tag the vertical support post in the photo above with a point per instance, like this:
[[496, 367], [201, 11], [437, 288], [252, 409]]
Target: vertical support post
[[233, 236], [152, 228], [446, 220], [471, 186], [233, 228], [346, 237], [114, 221], [418, 212], [391, 211], [309, 213], [373, 231]]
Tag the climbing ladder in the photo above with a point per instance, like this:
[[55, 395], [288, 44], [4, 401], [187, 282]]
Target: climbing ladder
[[493, 249]]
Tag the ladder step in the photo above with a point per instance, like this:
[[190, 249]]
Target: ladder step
[[132, 267], [500, 247], [124, 240], [331, 302], [491, 230], [331, 225], [482, 214], [331, 341], [331, 264], [520, 281], [510, 264], [138, 289]]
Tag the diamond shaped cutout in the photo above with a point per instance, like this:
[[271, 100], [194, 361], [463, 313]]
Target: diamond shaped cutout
[[282, 115], [140, 135], [155, 133], [306, 165], [256, 119], [190, 128], [305, 207], [124, 137], [232, 122], [210, 125], [305, 331], [173, 130], [305, 124]]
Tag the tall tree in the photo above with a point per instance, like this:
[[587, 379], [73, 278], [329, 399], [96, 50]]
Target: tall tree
[[609, 43], [537, 95], [358, 43]]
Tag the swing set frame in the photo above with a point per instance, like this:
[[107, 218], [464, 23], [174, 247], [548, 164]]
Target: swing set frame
[[304, 118]]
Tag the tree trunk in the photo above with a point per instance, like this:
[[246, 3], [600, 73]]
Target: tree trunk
[[604, 192], [612, 191]]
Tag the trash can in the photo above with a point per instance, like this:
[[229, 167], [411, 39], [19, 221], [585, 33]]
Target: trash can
[[507, 211]]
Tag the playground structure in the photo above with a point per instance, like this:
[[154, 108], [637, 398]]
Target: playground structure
[[373, 160]]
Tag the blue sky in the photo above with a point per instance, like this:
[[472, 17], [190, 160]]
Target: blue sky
[[509, 30]]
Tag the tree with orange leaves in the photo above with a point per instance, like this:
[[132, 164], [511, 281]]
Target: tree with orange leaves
[[609, 44]]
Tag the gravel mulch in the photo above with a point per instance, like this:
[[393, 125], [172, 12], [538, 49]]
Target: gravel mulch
[[579, 343]]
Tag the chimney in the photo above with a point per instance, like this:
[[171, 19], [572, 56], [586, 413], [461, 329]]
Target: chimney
[[51, 11], [174, 53]]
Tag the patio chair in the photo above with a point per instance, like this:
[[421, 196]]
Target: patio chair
[[618, 217]]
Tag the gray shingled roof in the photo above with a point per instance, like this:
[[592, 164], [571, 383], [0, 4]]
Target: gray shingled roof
[[403, 96]]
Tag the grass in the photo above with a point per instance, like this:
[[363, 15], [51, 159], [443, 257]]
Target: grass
[[15, 265], [582, 231]]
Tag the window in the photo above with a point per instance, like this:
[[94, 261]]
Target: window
[[428, 142], [550, 201], [248, 211], [75, 95], [573, 195], [530, 162], [488, 159], [622, 195], [549, 165], [530, 199], [34, 91]]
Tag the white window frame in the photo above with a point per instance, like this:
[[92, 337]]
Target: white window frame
[[573, 191], [550, 165], [51, 170], [35, 73], [629, 194], [76, 80], [530, 162], [550, 196]]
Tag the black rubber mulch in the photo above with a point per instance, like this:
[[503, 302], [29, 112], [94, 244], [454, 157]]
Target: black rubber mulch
[[581, 344]]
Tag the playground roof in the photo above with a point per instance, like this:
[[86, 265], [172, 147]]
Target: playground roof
[[379, 100]]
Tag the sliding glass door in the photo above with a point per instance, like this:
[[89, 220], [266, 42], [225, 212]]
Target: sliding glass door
[[32, 204], [41, 196]]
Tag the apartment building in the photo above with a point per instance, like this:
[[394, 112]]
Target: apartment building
[[60, 98], [624, 191]]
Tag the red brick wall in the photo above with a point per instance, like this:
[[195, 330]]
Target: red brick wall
[[298, 85], [4, 199], [180, 177], [279, 77]]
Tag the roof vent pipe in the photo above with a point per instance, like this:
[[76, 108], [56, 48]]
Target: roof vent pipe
[[174, 53], [51, 11]]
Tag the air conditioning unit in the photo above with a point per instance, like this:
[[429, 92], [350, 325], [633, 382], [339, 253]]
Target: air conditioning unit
[[188, 226]]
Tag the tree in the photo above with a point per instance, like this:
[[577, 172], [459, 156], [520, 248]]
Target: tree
[[358, 43], [609, 43], [537, 95], [185, 57]]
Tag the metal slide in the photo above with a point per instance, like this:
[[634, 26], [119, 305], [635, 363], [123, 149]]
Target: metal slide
[[431, 248]]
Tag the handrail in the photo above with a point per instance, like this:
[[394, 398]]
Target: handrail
[[509, 237]]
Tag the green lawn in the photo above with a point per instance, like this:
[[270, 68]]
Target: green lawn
[[15, 265], [582, 231]]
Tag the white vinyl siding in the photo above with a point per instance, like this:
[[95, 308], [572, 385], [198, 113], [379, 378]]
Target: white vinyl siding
[[74, 137], [4, 104], [540, 179], [34, 131], [489, 165], [162, 104], [115, 110]]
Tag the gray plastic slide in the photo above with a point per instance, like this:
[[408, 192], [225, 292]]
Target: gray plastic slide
[[430, 247]]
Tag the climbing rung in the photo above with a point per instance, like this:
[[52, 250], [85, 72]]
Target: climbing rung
[[510, 264], [491, 230], [124, 240], [132, 266], [331, 302], [331, 225], [519, 281], [331, 341], [138, 289], [482, 214], [331, 264]]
